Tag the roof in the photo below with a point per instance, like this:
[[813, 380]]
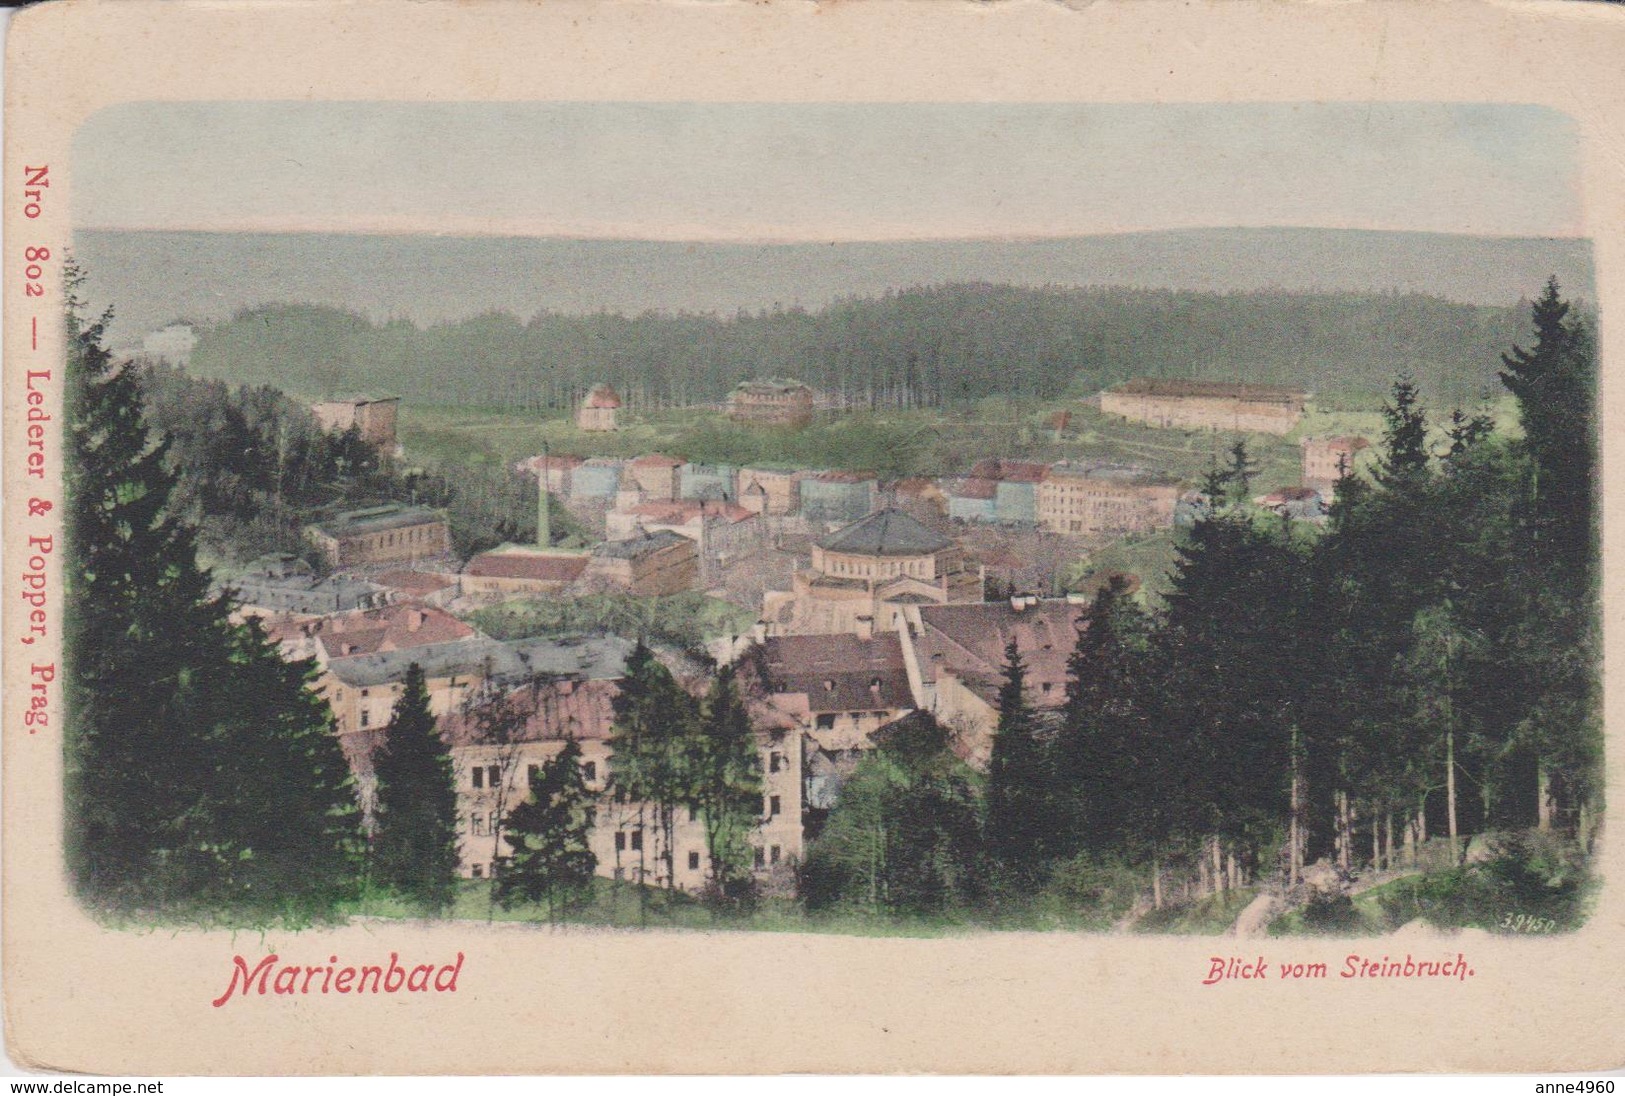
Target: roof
[[415, 583], [840, 673], [559, 461], [1011, 471], [656, 460], [969, 640], [640, 546], [1154, 386], [683, 511], [568, 708], [357, 400], [886, 533], [597, 657], [534, 566], [377, 519], [602, 396], [772, 384], [842, 477], [1342, 441], [392, 628], [1115, 473], [974, 487]]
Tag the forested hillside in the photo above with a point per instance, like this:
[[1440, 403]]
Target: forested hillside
[[920, 347]]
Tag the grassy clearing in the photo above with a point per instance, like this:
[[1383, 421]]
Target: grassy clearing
[[1209, 916]]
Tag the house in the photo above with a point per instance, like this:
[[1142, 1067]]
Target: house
[[391, 628], [373, 416], [956, 659], [656, 475], [382, 534], [493, 773], [1325, 459], [1015, 488], [862, 575], [431, 587], [723, 530], [829, 498], [707, 481], [920, 496], [769, 489], [596, 480], [1104, 500], [555, 467], [647, 565], [1299, 503], [285, 584], [973, 498], [520, 570], [1206, 405], [597, 410], [771, 402]]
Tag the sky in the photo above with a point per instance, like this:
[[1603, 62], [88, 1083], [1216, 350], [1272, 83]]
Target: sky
[[800, 172]]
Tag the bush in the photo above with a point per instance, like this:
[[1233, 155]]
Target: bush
[[1530, 882]]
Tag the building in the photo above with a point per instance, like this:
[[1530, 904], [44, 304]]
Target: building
[[382, 534], [836, 498], [648, 565], [1298, 503], [556, 467], [1206, 405], [597, 410], [707, 481], [770, 490], [1324, 460], [1101, 500], [373, 416], [1015, 492], [973, 498], [370, 631], [771, 402], [724, 531], [861, 576], [431, 587], [514, 570], [281, 584], [656, 475], [596, 480], [627, 839], [955, 656], [920, 496]]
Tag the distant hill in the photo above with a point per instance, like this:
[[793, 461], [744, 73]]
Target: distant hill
[[156, 277]]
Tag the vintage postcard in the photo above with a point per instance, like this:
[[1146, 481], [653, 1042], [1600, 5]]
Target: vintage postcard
[[857, 538]]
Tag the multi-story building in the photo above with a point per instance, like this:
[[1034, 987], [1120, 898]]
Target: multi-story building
[[829, 498], [862, 575], [373, 416], [770, 490], [1092, 500], [648, 565], [1206, 405], [955, 656], [382, 534], [656, 475], [712, 482], [283, 584], [521, 570], [724, 531], [597, 410], [771, 402]]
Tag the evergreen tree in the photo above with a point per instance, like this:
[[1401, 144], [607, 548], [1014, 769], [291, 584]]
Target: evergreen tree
[[1021, 821], [201, 770], [414, 843], [727, 780], [650, 741], [551, 859]]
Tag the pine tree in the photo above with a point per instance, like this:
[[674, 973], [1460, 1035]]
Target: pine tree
[[414, 844], [1021, 820], [650, 744], [551, 859], [727, 779], [201, 771]]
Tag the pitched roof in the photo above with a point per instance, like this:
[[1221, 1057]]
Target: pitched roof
[[595, 657], [683, 511], [392, 628], [1155, 386], [1011, 471], [968, 641], [640, 546], [568, 708], [886, 533], [414, 583], [974, 487], [378, 519], [602, 396], [534, 566], [840, 672]]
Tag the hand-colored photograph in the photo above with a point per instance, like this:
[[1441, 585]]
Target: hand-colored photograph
[[870, 519]]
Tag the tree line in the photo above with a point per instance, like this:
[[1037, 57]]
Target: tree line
[[918, 347]]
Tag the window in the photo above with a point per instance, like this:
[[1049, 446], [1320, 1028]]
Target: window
[[693, 861], [590, 770], [366, 717], [479, 871], [761, 859], [1048, 686], [775, 855], [479, 776], [693, 814], [534, 772], [496, 824], [478, 825], [826, 722], [637, 840], [493, 773], [620, 841], [775, 761], [773, 806]]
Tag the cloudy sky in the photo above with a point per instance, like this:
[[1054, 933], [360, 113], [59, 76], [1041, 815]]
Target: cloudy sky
[[824, 172]]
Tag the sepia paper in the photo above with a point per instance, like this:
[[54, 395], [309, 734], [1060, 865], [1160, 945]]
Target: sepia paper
[[679, 100]]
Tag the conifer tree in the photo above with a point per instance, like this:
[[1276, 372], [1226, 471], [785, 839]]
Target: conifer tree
[[727, 782], [551, 859], [414, 844], [201, 771], [650, 740], [1021, 819]]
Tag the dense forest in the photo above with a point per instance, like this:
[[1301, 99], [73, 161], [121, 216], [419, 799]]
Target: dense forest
[[919, 347]]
